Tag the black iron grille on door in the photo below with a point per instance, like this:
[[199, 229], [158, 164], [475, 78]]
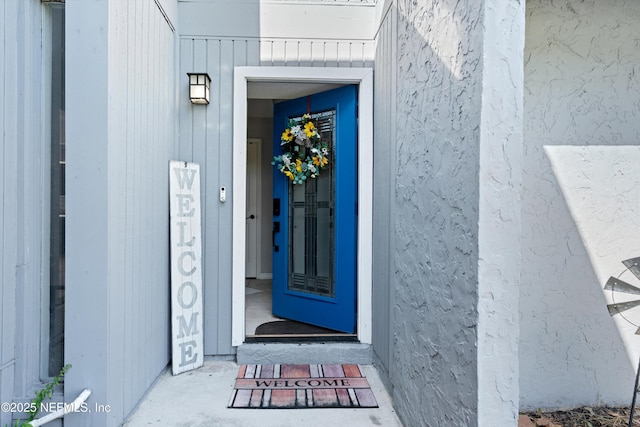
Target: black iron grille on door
[[311, 233]]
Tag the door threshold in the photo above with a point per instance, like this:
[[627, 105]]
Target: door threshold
[[284, 338], [342, 352]]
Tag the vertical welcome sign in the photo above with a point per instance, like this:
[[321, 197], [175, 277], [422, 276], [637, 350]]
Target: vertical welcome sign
[[186, 267]]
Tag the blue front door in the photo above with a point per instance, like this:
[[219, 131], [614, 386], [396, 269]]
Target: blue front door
[[315, 222]]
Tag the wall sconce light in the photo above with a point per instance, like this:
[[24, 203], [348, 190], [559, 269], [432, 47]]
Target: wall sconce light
[[199, 87]]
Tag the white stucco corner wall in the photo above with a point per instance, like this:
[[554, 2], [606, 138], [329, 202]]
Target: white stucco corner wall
[[501, 145], [580, 204]]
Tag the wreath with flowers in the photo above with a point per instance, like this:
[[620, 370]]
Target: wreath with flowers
[[305, 154]]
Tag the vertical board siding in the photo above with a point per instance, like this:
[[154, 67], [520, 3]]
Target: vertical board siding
[[147, 145], [8, 212], [123, 67], [137, 58], [206, 138], [87, 273], [186, 131], [210, 204], [384, 183], [29, 242], [21, 207], [227, 60]]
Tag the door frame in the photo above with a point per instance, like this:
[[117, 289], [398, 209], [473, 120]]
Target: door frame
[[363, 77], [258, 201]]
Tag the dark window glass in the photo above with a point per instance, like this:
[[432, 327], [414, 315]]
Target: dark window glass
[[57, 203]]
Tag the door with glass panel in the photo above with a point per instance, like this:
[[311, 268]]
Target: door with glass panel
[[315, 210]]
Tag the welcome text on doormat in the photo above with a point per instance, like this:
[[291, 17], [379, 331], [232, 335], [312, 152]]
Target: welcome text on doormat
[[301, 386]]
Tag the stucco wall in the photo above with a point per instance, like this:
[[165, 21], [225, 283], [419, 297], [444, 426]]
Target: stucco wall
[[448, 149], [435, 212], [499, 264], [580, 199]]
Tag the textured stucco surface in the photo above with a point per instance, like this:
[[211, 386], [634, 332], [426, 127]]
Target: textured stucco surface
[[579, 201], [434, 359], [499, 243]]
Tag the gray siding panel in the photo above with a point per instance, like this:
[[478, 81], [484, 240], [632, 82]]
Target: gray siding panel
[[30, 191], [211, 230], [117, 275], [88, 276], [384, 187], [10, 177], [228, 59], [8, 214], [21, 166], [186, 132]]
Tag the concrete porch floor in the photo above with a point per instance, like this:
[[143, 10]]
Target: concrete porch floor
[[199, 398]]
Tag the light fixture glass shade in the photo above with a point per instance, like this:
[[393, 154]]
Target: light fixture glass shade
[[199, 84]]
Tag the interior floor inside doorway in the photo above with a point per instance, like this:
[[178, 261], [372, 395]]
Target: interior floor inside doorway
[[261, 325]]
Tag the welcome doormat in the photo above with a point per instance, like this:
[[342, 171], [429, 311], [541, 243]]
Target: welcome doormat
[[301, 386]]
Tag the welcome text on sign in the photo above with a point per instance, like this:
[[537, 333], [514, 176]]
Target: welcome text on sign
[[186, 274]]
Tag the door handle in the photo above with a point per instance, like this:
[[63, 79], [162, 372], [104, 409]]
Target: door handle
[[276, 229], [252, 216]]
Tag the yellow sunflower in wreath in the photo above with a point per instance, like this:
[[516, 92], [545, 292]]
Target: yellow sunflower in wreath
[[304, 152]]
